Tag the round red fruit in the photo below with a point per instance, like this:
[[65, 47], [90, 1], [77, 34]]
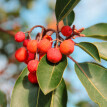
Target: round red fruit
[[67, 47], [32, 46], [20, 36], [30, 56], [66, 30], [44, 45], [21, 54], [40, 56], [32, 78], [54, 55], [25, 42], [32, 65]]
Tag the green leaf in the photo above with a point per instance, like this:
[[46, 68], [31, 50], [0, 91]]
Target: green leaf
[[91, 49], [64, 7], [50, 75], [68, 20], [102, 47], [98, 31], [26, 94], [94, 79], [59, 96], [3, 99]]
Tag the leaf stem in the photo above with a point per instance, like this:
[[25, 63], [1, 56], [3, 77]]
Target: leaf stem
[[76, 63]]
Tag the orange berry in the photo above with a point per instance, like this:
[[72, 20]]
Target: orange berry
[[44, 45], [47, 37], [54, 55], [21, 54], [32, 65], [19, 37], [32, 78], [66, 30], [32, 46], [67, 47]]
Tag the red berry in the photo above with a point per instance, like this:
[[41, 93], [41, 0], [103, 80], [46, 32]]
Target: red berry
[[30, 56], [66, 30], [32, 77], [40, 56], [32, 46], [21, 54], [44, 45], [20, 36], [25, 42], [67, 47], [32, 65], [54, 55]]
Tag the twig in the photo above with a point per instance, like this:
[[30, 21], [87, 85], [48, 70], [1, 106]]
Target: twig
[[76, 63], [7, 31]]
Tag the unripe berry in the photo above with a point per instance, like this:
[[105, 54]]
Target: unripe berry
[[32, 46], [40, 56], [30, 56], [20, 36], [66, 30], [32, 65], [32, 78], [47, 37], [54, 55], [67, 47], [44, 45], [25, 42], [21, 54]]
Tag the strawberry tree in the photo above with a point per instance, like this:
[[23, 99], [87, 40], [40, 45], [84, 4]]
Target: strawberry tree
[[41, 83]]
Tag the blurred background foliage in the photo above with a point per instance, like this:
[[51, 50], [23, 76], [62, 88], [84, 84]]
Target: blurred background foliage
[[16, 15]]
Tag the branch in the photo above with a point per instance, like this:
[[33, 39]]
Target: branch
[[76, 63], [11, 33]]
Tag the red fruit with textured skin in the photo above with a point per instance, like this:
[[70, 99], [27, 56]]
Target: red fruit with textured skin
[[66, 30], [30, 56], [44, 45], [32, 65], [40, 56], [67, 47], [32, 78], [19, 36], [32, 46], [25, 42], [54, 55], [21, 54], [47, 37]]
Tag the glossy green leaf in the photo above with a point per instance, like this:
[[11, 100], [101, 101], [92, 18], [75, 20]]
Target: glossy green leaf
[[94, 79], [91, 49], [26, 94], [64, 7], [50, 75], [68, 20], [98, 31], [59, 96], [3, 99], [102, 47]]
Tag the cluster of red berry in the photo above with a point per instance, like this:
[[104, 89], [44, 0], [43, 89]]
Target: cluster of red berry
[[32, 48]]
